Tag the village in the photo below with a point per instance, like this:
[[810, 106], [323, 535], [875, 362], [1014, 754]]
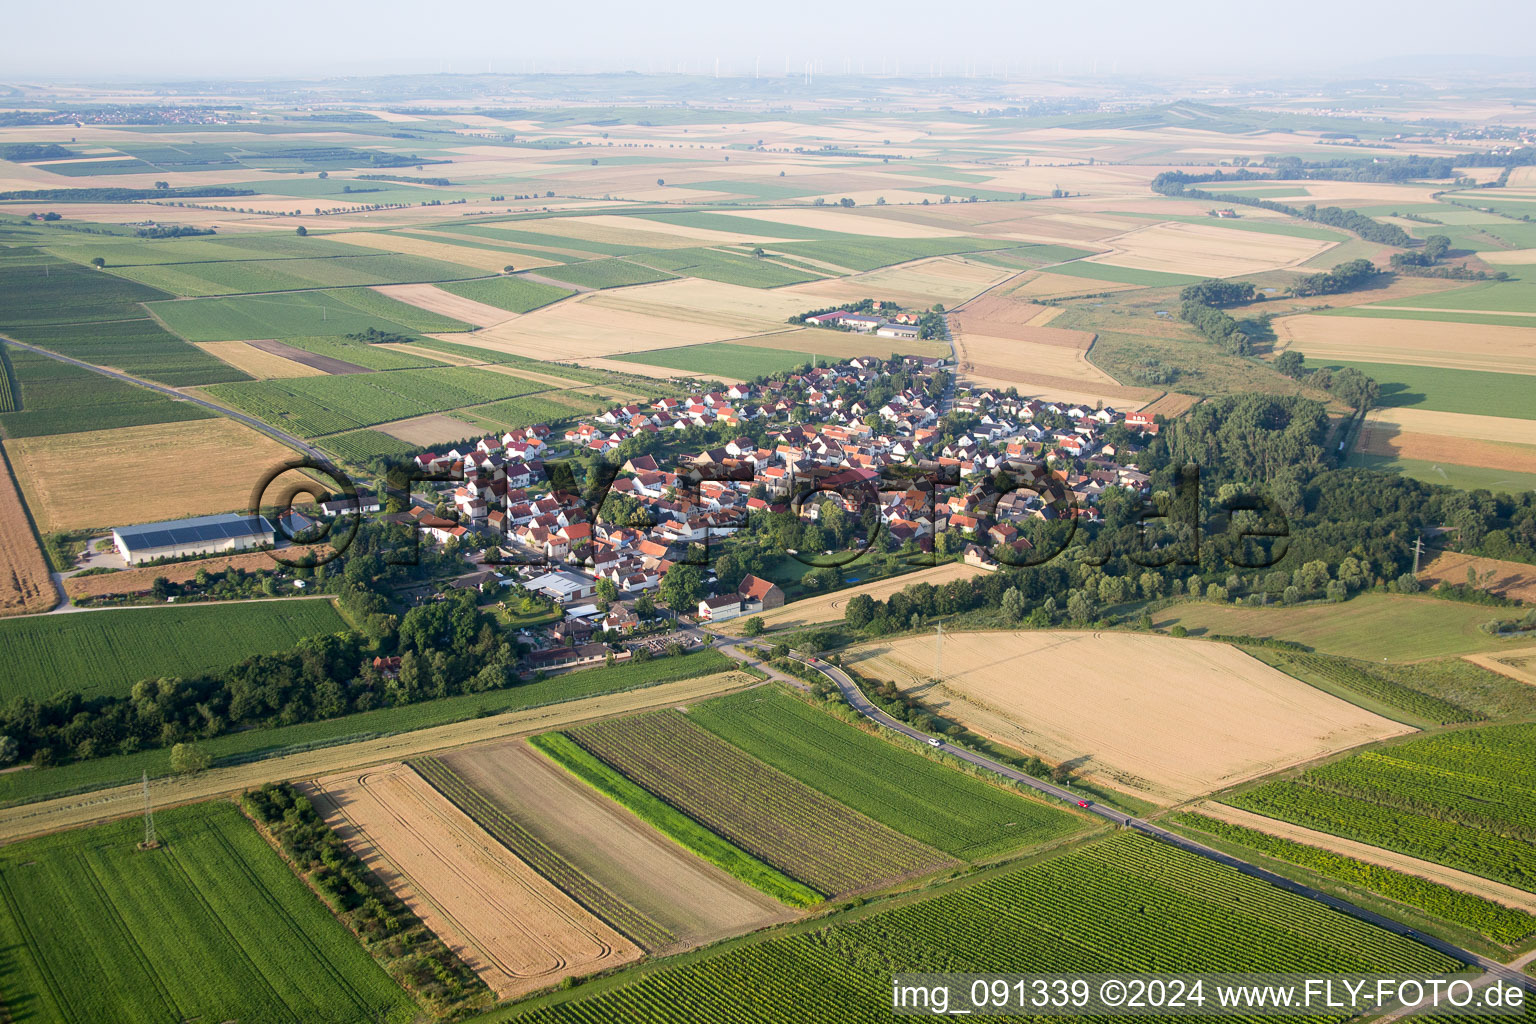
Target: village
[[852, 435]]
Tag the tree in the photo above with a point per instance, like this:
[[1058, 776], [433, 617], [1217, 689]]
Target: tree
[[859, 611], [645, 606], [324, 174], [660, 182], [508, 269], [682, 588], [301, 230], [160, 589], [98, 262], [754, 626], [162, 185], [607, 591], [1013, 604], [189, 759], [10, 750]]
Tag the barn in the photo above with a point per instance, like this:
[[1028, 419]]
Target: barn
[[204, 535]]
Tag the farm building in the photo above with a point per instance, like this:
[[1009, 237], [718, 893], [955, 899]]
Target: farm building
[[204, 535], [897, 331], [759, 595], [719, 609]]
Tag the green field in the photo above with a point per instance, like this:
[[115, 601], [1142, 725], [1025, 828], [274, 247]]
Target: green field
[[57, 398], [1127, 904], [1466, 478], [905, 790], [297, 315], [286, 275], [1124, 275], [10, 388], [748, 226], [1463, 799], [102, 653], [516, 294], [671, 822], [138, 252], [1517, 296], [141, 348], [1372, 627], [1443, 390], [365, 445], [212, 926], [612, 273], [727, 267], [728, 360], [1372, 687], [361, 353], [779, 820], [1493, 920], [329, 404], [503, 231], [1443, 316], [57, 292], [863, 253], [255, 744], [530, 409], [1263, 226]]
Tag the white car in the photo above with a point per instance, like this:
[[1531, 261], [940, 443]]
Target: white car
[[934, 741]]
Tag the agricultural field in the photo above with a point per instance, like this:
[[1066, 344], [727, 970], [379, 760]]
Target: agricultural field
[[510, 925], [357, 354], [103, 653], [1206, 250], [139, 581], [548, 407], [631, 876], [1128, 903], [1372, 627], [141, 348], [1370, 686], [57, 398], [723, 359], [1462, 799], [55, 292], [1517, 296], [514, 294], [213, 925], [26, 584], [1443, 452], [134, 252], [898, 787], [1502, 924], [326, 405], [260, 276], [1514, 580], [297, 315], [725, 266], [256, 363], [1493, 349], [872, 253], [366, 445], [1098, 271], [946, 280], [609, 273], [808, 836], [1147, 692], [230, 458]]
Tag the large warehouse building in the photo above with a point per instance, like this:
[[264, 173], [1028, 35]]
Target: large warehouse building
[[205, 535]]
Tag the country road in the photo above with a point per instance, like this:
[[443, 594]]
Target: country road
[[862, 704], [297, 443]]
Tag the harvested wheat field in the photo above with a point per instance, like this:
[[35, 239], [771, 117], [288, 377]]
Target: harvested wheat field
[[1172, 404], [1509, 896], [1010, 359], [25, 582], [640, 318], [1055, 286], [1514, 580], [431, 429], [829, 607], [689, 900], [244, 356], [1508, 429], [1207, 250], [1380, 437], [852, 223], [435, 300], [138, 581], [1161, 718], [914, 285], [142, 474], [1519, 664], [1003, 314], [1455, 346], [512, 927], [486, 259], [826, 344]]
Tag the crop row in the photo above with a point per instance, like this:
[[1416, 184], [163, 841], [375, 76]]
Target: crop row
[[276, 275], [1124, 904], [1464, 799], [327, 404], [8, 386], [536, 854], [906, 790], [672, 823], [1390, 692], [365, 445], [805, 834], [1496, 921]]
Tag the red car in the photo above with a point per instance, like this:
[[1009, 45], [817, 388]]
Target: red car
[[1085, 803]]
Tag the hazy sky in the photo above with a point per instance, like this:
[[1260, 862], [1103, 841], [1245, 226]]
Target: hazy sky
[[168, 39]]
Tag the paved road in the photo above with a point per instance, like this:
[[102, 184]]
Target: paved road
[[297, 443], [860, 703]]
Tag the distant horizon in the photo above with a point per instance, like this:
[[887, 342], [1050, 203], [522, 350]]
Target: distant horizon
[[175, 40]]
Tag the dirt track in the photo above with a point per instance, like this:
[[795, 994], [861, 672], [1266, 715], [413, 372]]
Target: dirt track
[[513, 928], [101, 805], [1507, 895]]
